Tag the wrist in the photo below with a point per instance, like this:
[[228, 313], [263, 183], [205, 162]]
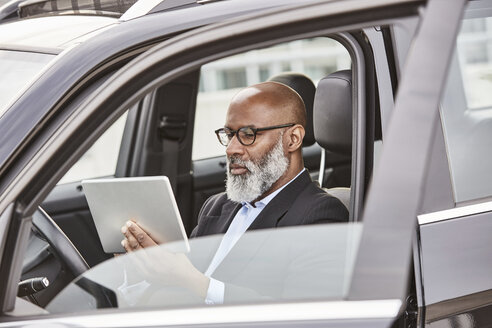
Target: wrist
[[198, 284]]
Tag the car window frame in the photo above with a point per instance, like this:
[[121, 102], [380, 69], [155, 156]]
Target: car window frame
[[416, 106]]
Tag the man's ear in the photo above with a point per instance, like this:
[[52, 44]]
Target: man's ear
[[296, 134]]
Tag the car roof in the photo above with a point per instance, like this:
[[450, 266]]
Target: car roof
[[53, 32]]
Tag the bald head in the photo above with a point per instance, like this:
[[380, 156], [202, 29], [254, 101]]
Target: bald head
[[273, 154], [282, 102]]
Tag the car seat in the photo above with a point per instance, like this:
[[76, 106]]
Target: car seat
[[304, 86], [332, 112]]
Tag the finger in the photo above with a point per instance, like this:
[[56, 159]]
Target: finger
[[126, 246], [144, 230], [140, 235], [125, 231], [132, 242]]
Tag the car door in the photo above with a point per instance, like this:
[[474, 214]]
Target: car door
[[453, 254], [381, 268]]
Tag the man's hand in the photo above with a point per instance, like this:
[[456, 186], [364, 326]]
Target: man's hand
[[136, 237], [161, 265]]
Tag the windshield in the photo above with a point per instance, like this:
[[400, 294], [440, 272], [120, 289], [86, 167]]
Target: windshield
[[301, 263], [18, 69]]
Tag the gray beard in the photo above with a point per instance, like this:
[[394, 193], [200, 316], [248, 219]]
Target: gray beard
[[263, 173]]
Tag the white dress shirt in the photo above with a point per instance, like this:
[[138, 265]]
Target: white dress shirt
[[241, 222]]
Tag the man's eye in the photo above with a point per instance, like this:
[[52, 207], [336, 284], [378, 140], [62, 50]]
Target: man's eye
[[247, 135]]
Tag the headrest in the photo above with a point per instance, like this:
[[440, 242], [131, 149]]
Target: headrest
[[306, 89], [333, 112]]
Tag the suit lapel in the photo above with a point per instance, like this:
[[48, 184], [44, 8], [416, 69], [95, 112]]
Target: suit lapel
[[220, 224], [280, 204], [227, 215]]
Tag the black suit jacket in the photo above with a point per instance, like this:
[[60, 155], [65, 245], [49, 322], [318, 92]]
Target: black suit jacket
[[277, 263], [301, 202]]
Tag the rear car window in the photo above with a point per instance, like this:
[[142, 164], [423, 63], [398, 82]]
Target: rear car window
[[220, 80], [466, 111]]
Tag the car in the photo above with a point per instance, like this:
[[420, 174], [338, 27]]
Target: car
[[402, 122]]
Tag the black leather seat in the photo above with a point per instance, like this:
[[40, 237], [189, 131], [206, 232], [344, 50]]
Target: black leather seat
[[332, 114], [306, 89]]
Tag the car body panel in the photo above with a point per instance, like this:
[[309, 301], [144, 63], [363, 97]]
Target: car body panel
[[454, 250]]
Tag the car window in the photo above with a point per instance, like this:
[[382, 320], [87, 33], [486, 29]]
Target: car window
[[272, 265], [220, 80], [283, 264], [312, 262], [18, 69], [466, 111], [475, 60], [453, 242], [101, 159]]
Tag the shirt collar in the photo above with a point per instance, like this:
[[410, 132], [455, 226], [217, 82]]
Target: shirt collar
[[264, 201]]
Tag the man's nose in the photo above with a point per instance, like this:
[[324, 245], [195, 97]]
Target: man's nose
[[234, 147]]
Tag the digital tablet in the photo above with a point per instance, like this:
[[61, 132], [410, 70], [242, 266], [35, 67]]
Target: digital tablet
[[149, 201]]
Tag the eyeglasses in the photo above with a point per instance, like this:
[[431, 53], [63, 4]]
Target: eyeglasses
[[246, 135]]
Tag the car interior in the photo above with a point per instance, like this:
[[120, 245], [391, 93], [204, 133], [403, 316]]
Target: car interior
[[161, 134]]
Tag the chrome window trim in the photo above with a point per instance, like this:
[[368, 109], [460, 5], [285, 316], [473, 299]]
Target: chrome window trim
[[454, 213], [374, 309]]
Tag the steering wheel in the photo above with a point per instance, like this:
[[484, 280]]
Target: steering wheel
[[71, 260], [62, 246]]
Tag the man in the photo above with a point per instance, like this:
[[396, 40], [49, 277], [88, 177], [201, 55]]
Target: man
[[267, 185]]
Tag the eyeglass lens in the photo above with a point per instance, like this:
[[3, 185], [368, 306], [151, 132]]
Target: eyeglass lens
[[246, 136]]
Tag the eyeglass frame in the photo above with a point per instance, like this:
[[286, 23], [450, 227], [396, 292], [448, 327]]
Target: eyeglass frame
[[255, 131]]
